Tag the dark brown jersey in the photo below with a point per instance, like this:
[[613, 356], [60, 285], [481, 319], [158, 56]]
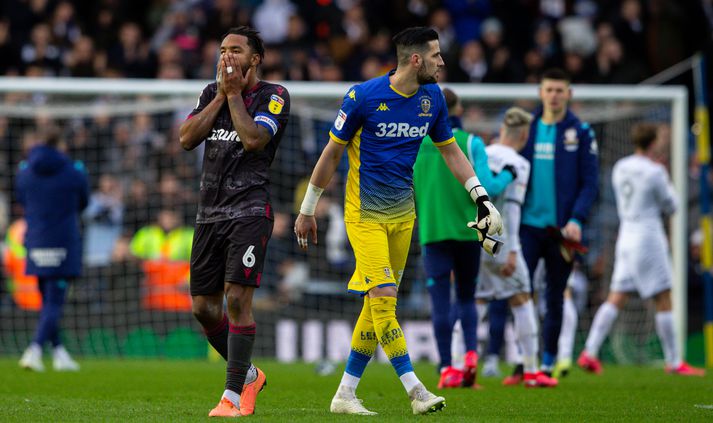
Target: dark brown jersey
[[234, 182]]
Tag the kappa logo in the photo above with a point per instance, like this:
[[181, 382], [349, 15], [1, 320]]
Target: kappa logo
[[382, 108], [352, 95]]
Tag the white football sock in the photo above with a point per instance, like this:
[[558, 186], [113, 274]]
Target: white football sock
[[569, 329], [234, 397], [409, 380], [349, 381], [526, 329], [667, 334], [603, 321]]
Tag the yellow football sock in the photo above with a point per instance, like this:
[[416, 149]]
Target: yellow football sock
[[364, 338], [388, 331]]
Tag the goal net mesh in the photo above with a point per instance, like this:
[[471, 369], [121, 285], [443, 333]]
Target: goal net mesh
[[133, 300]]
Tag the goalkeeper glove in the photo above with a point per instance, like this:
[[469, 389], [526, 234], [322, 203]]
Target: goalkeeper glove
[[510, 168], [487, 222]]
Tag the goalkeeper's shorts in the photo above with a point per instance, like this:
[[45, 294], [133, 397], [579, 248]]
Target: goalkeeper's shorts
[[380, 250]]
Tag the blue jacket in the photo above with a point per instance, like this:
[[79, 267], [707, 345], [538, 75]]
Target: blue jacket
[[53, 192], [576, 166]]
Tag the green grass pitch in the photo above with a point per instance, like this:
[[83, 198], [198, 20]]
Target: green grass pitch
[[176, 391]]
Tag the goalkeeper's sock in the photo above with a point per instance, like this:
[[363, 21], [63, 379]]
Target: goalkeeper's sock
[[362, 347], [603, 321], [526, 329], [439, 290], [218, 337], [667, 334], [569, 327], [240, 349], [391, 338]]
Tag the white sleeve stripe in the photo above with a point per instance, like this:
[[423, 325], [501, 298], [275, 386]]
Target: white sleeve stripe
[[267, 122]]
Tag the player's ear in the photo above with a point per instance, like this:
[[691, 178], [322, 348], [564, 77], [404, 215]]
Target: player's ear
[[416, 59]]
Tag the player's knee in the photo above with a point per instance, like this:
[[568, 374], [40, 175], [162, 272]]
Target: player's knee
[[207, 313]]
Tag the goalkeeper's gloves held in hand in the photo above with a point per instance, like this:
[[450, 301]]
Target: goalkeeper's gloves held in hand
[[487, 222]]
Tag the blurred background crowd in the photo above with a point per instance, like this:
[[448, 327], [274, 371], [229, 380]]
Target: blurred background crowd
[[596, 41]]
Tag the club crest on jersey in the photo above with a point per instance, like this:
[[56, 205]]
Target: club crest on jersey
[[341, 118], [276, 103], [571, 142], [425, 106]]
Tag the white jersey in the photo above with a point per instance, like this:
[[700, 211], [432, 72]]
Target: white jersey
[[643, 191], [643, 195], [491, 284], [500, 156]]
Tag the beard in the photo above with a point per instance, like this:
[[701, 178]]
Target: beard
[[423, 78]]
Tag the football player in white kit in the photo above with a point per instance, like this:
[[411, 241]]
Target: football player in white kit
[[506, 276], [642, 264]]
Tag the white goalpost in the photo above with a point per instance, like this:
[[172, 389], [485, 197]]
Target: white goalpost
[[307, 288]]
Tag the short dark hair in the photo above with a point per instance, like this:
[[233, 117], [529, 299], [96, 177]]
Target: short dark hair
[[644, 134], [411, 40], [451, 98], [51, 136], [254, 40], [556, 74]]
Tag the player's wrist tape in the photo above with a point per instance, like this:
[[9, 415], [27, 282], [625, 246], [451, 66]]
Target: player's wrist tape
[[309, 203], [476, 191]]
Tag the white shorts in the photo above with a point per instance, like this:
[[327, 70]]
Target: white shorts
[[493, 286], [642, 264]]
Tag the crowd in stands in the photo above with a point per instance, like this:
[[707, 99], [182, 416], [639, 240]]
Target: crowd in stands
[[603, 41]]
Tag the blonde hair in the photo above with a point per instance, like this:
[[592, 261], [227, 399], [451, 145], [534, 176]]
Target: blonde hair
[[516, 119]]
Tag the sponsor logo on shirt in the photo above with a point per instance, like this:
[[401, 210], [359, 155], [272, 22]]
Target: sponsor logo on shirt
[[223, 135], [401, 129]]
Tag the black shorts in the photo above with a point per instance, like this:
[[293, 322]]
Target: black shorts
[[229, 251]]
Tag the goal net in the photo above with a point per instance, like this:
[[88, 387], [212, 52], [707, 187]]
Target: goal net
[[133, 300]]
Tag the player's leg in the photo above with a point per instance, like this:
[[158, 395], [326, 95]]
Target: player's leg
[[666, 330], [467, 265], [32, 356], [438, 263], [558, 271], [497, 318], [370, 245], [386, 326], [601, 325], [54, 298], [207, 276], [363, 346], [247, 240], [525, 317], [566, 340]]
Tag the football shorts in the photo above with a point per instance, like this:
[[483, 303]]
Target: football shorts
[[380, 250]]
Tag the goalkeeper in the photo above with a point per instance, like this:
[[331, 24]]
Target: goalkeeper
[[381, 123], [448, 245]]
